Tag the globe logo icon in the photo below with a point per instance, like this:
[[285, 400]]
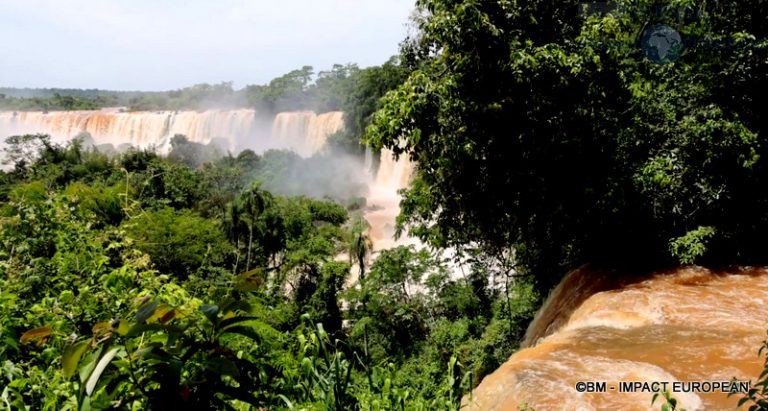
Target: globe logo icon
[[661, 44]]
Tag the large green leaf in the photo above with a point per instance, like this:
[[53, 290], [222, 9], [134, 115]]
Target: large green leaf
[[232, 305], [89, 364], [100, 366], [121, 327], [210, 311], [250, 280], [244, 331], [71, 357], [228, 322], [146, 311], [137, 329]]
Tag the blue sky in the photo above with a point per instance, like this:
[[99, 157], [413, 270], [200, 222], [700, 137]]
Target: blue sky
[[160, 45]]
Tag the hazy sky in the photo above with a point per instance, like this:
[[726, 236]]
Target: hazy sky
[[160, 45]]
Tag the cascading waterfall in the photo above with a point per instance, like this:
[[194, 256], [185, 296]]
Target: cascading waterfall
[[392, 175], [304, 132], [140, 129]]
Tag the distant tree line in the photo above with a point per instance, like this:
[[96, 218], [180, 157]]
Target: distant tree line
[[342, 87]]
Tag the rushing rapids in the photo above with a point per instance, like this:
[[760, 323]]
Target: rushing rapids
[[304, 132], [686, 325]]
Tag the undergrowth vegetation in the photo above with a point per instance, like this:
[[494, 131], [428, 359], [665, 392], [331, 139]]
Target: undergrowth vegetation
[[138, 282]]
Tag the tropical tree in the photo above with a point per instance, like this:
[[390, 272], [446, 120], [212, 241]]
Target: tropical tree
[[533, 146]]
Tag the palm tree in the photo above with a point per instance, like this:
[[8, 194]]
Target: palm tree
[[242, 218], [360, 245]]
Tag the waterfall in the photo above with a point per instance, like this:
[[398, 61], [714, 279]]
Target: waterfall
[[384, 200], [239, 128], [304, 132], [393, 173], [368, 162]]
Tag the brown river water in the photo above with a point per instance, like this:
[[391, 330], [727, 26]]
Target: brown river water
[[687, 325]]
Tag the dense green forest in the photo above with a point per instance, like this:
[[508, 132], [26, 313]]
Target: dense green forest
[[198, 280], [531, 145], [30, 99], [300, 89], [138, 281]]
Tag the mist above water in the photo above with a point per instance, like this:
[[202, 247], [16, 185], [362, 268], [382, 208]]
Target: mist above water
[[292, 143]]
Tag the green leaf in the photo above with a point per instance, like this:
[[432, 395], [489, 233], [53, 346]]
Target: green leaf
[[142, 328], [146, 311], [742, 401], [210, 311], [232, 304], [250, 280], [122, 327], [86, 405], [71, 357], [244, 331], [89, 365], [100, 366], [287, 402], [235, 320], [161, 312], [763, 374], [155, 353]]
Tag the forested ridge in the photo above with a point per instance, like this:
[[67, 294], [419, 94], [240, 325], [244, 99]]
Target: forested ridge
[[196, 280], [300, 89]]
